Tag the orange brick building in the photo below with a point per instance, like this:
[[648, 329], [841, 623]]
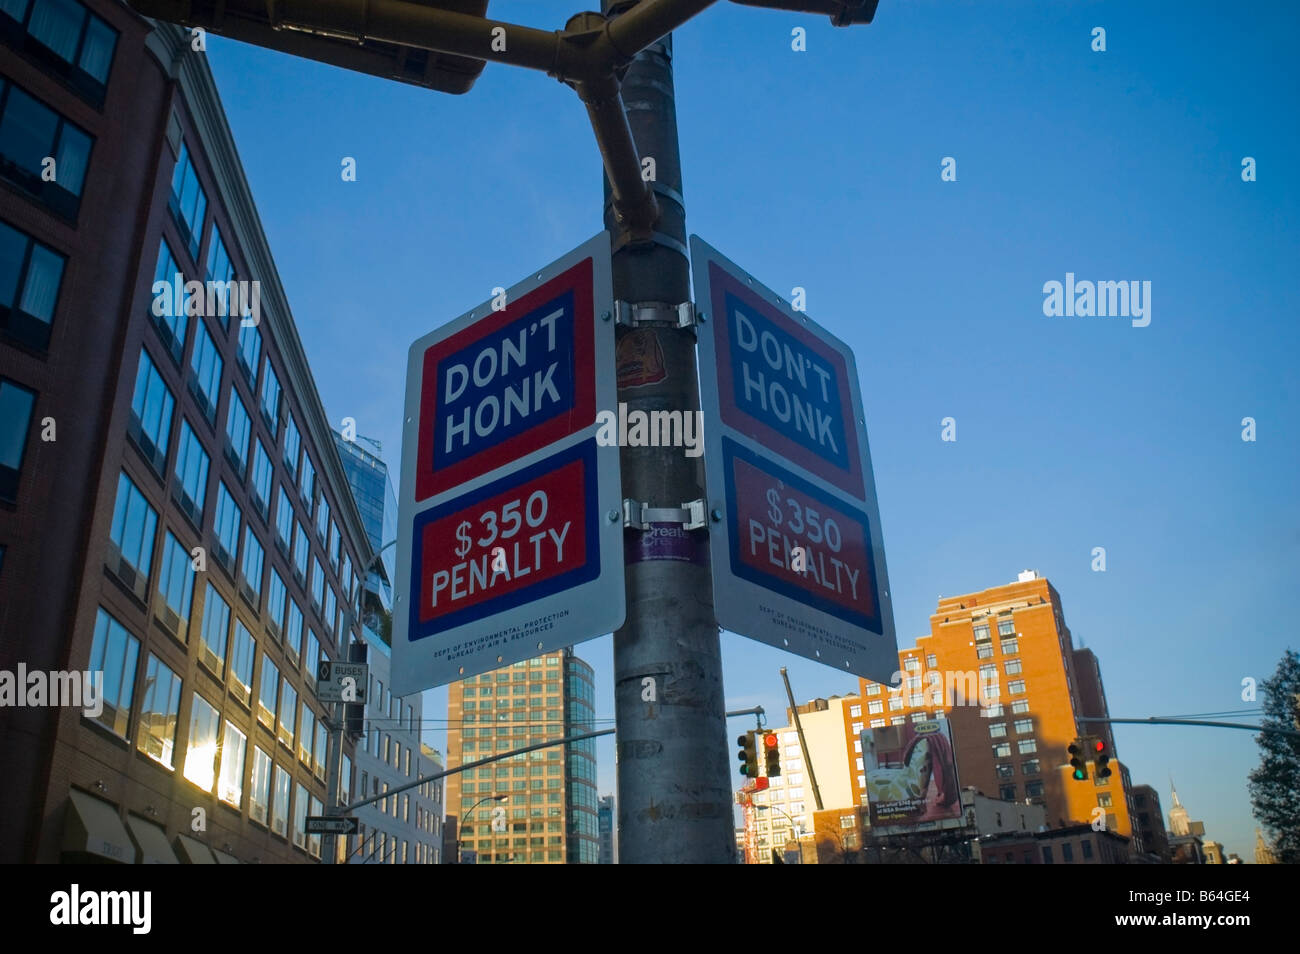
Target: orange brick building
[[1001, 665]]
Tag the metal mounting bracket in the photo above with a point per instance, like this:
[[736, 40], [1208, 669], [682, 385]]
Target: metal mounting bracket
[[654, 312], [639, 516]]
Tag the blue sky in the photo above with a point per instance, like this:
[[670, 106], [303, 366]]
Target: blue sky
[[821, 169]]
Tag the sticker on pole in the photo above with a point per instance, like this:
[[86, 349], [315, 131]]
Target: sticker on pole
[[798, 556], [505, 545]]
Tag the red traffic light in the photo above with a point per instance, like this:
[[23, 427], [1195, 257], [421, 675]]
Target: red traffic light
[[1099, 745], [769, 740]]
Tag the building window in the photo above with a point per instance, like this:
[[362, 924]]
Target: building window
[[997, 730], [312, 657], [984, 651], [288, 712], [306, 734], [220, 270], [915, 699], [912, 664], [1006, 627], [201, 746], [319, 750], [292, 442], [188, 202], [241, 664], [856, 711], [1029, 767], [159, 712], [238, 431], [323, 520], [114, 652], [1024, 726], [31, 132], [81, 41], [262, 475], [1034, 789], [913, 682], [1020, 706], [317, 585], [1002, 750], [1005, 770], [30, 277], [271, 399], [277, 596], [226, 526], [251, 571], [301, 550], [216, 624], [873, 689], [134, 523], [300, 816], [250, 349], [259, 796], [266, 697], [1010, 647], [1027, 746], [16, 404], [1087, 848], [191, 488], [151, 413], [307, 482], [981, 632], [284, 520], [1047, 854], [170, 321], [293, 631], [1007, 793], [205, 373], [176, 587], [280, 807], [234, 749], [1103, 799], [1013, 667], [1016, 686], [335, 546]]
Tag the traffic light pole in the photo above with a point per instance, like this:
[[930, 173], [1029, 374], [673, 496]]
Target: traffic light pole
[[674, 779]]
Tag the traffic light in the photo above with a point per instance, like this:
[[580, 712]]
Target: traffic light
[[748, 755], [773, 754], [334, 33], [1078, 760], [1103, 758]]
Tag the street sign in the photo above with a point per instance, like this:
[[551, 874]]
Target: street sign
[[506, 544], [798, 557], [342, 682], [332, 825]]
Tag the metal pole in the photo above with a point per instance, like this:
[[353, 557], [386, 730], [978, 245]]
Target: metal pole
[[674, 777], [803, 745]]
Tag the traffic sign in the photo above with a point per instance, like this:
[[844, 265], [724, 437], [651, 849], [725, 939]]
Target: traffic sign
[[332, 825], [798, 555], [342, 682], [506, 544]]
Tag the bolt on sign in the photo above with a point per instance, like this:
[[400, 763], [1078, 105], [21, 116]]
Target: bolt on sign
[[798, 555], [506, 547]]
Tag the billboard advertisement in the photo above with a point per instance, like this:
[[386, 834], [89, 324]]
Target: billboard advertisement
[[911, 774]]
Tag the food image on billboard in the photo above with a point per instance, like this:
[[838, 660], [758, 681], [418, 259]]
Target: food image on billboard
[[911, 773]]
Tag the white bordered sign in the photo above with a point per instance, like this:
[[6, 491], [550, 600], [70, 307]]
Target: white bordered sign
[[798, 558], [510, 513]]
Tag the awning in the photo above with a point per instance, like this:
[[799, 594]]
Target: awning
[[92, 827], [193, 852], [225, 859], [152, 842]]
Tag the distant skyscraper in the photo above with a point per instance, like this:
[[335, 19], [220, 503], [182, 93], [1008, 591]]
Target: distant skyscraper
[[372, 488], [608, 824], [549, 813], [1179, 820]]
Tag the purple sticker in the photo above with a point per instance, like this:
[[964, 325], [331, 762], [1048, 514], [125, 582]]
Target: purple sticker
[[666, 541]]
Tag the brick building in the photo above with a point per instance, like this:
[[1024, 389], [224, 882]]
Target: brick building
[[173, 513]]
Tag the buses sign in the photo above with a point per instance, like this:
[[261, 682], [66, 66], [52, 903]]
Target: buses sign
[[798, 556], [505, 544]]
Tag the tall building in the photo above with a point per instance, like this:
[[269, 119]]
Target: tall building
[[372, 489], [549, 810], [1149, 822], [173, 514], [406, 827], [1001, 665], [607, 823]]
